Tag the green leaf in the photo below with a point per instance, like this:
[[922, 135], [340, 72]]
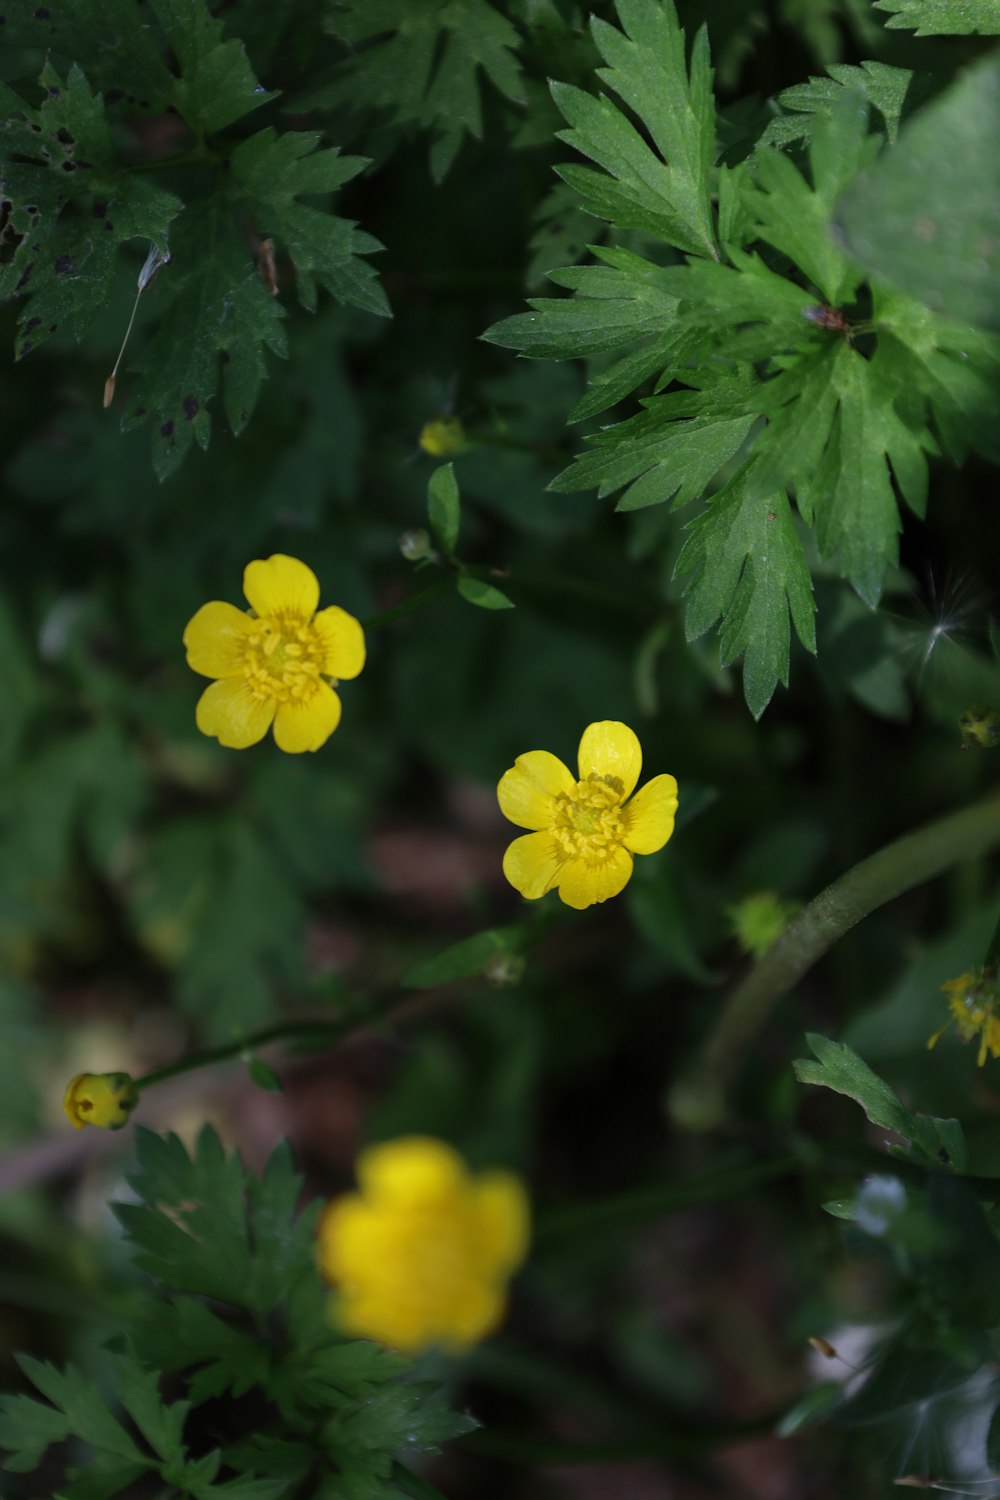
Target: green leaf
[[933, 1142], [271, 173], [475, 591], [419, 60], [658, 456], [265, 1077], [744, 562], [943, 17], [216, 1356], [665, 191], [926, 216], [620, 304], [794, 216], [27, 1426], [70, 206], [216, 86], [205, 1227], [162, 1426], [891, 92], [444, 508], [468, 958], [218, 322]]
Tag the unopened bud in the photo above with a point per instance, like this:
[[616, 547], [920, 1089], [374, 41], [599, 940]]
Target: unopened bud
[[104, 1099], [504, 970], [415, 545], [443, 437], [759, 920]]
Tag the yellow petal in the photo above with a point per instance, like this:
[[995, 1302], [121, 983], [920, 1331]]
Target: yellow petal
[[582, 884], [611, 749], [349, 1238], [281, 585], [476, 1313], [527, 789], [502, 1220], [228, 712], [307, 723], [343, 642], [531, 864], [414, 1169], [214, 637], [649, 817]]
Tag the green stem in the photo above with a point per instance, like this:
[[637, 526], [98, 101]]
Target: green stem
[[282, 1031], [415, 601], [698, 1102]]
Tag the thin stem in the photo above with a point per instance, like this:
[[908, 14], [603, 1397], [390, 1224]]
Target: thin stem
[[698, 1102], [198, 156], [282, 1031], [415, 601]]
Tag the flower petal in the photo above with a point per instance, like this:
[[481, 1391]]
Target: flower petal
[[230, 713], [649, 817], [527, 789], [582, 884], [281, 585], [531, 864], [413, 1169], [307, 723], [343, 642], [609, 748], [500, 1205], [350, 1238], [214, 637]]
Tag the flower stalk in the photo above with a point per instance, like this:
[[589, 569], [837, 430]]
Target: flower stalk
[[699, 1101]]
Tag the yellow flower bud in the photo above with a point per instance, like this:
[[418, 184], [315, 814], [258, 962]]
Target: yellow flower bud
[[105, 1099], [443, 437]]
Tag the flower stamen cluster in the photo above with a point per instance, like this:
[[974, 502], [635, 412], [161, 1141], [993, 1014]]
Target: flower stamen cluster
[[974, 1002]]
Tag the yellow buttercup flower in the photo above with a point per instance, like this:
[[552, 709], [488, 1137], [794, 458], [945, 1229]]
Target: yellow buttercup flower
[[275, 663], [422, 1254], [105, 1099], [974, 1001], [585, 830]]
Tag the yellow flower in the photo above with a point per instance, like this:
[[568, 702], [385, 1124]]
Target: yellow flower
[[974, 999], [422, 1254], [443, 437], [105, 1099], [585, 832], [275, 663]]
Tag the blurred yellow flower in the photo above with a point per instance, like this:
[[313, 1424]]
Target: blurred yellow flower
[[585, 831], [274, 663], [422, 1254], [973, 999], [105, 1099], [443, 437]]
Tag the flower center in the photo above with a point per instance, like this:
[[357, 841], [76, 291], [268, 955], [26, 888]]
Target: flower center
[[283, 659], [589, 823]]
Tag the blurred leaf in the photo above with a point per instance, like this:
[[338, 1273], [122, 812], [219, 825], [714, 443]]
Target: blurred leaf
[[926, 217], [444, 508], [265, 1077], [468, 958], [419, 59]]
